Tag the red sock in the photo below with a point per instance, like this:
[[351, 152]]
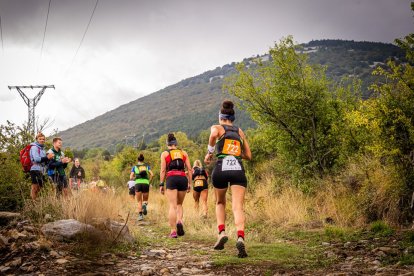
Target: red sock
[[240, 233], [221, 228]]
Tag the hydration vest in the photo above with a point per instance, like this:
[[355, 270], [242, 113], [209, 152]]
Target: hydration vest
[[230, 143], [141, 171], [199, 173], [175, 160]]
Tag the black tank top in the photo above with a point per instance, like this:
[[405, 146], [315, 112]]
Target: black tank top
[[230, 143]]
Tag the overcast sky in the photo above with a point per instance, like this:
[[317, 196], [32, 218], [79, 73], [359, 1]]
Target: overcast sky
[[134, 48]]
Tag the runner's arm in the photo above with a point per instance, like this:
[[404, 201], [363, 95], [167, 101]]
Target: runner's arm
[[214, 132], [163, 170], [163, 167]]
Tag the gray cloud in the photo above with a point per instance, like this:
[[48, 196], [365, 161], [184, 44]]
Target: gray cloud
[[134, 48]]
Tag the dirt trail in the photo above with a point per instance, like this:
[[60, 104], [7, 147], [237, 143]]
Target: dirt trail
[[26, 254]]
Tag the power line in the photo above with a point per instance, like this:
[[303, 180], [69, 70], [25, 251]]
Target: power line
[[1, 35], [84, 34], [44, 32]]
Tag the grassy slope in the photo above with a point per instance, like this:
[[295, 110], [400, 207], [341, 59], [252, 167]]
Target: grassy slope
[[192, 104]]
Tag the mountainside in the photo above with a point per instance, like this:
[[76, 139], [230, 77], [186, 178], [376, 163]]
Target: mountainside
[[192, 104]]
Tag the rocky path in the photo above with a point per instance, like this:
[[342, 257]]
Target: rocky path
[[23, 251]]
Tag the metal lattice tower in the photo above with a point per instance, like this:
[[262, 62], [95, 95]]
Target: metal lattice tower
[[31, 103]]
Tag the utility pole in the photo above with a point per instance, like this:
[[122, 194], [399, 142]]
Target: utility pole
[[31, 103]]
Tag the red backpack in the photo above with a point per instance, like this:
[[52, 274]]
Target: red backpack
[[25, 159]]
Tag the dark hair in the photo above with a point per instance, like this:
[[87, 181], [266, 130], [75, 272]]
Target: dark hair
[[171, 140], [141, 157], [57, 139], [171, 137], [227, 108]]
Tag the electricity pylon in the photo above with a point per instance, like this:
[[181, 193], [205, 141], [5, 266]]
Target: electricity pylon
[[31, 103]]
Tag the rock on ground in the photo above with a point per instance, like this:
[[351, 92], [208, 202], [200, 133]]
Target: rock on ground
[[6, 217], [67, 229]]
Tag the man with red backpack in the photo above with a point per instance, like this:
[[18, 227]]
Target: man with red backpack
[[38, 162]]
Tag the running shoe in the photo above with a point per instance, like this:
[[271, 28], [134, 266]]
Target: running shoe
[[242, 249], [180, 229], [173, 235], [221, 241], [140, 217], [144, 209]]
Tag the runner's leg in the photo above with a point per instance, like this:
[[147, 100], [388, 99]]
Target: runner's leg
[[172, 212], [180, 200], [204, 196], [138, 195], [196, 196], [220, 206], [237, 203]]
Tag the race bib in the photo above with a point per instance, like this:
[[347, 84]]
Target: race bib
[[198, 183], [230, 163], [232, 147]]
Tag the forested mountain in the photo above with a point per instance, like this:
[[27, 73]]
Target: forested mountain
[[192, 104]]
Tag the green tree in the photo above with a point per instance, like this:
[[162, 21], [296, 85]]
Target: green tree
[[14, 187], [393, 114], [296, 110]]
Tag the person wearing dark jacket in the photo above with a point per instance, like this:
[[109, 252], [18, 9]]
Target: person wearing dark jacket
[[57, 166], [77, 175]]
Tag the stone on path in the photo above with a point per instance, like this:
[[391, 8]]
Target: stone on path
[[114, 228], [6, 217], [61, 261], [67, 229]]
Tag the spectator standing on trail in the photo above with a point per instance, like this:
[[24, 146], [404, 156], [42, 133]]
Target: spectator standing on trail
[[231, 145], [174, 161], [131, 188], [200, 188], [39, 161], [142, 175], [77, 175], [57, 166]]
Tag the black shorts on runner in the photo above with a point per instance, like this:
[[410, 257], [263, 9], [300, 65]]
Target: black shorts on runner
[[221, 179], [200, 185], [132, 190], [142, 188], [177, 182], [37, 178]]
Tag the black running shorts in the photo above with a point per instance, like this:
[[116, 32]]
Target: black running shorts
[[222, 178], [132, 190], [177, 182], [142, 188], [37, 178], [200, 185]]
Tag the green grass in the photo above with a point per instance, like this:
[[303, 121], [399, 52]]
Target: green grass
[[381, 229], [284, 255], [407, 259]]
